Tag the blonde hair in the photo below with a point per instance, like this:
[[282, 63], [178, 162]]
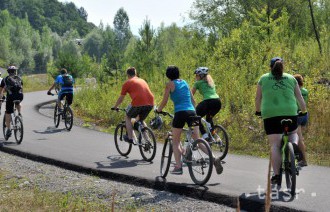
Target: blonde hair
[[209, 80]]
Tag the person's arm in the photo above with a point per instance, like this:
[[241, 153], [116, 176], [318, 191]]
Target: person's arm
[[193, 90], [168, 87], [119, 101], [258, 99], [192, 99], [300, 99], [51, 88]]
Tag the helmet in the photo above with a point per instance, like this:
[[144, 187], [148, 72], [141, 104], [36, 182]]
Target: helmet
[[201, 70], [11, 69], [156, 123]]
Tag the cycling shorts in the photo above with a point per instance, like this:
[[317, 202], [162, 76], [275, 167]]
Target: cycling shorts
[[209, 107], [302, 120], [182, 117], [141, 111], [273, 125], [10, 101], [69, 97]]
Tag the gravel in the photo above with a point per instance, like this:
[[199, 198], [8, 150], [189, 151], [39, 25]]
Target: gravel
[[52, 178]]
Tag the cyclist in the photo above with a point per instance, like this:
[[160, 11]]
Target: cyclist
[[183, 100], [276, 99], [142, 101], [211, 103], [13, 85], [302, 121], [65, 82]]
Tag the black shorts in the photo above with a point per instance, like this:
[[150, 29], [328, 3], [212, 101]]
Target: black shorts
[[69, 97], [10, 101], [273, 125], [182, 117], [209, 107], [141, 111]]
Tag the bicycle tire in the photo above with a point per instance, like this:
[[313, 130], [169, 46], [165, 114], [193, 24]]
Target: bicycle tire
[[18, 130], [166, 158], [57, 116], [219, 142], [290, 169], [68, 118], [199, 161], [147, 144], [4, 128], [122, 146]]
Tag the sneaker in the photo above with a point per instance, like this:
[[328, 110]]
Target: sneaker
[[8, 133], [275, 179], [302, 163], [125, 137], [177, 171], [218, 165]]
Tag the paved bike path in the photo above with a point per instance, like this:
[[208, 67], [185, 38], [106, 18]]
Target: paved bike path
[[243, 176]]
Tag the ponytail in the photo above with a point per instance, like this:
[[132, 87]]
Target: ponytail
[[277, 69]]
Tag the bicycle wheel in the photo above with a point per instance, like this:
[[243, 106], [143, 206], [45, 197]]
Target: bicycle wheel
[[147, 144], [219, 142], [200, 163], [166, 158], [4, 128], [123, 147], [290, 169], [18, 130], [57, 116], [68, 118]]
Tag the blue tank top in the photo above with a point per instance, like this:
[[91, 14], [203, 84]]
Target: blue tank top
[[181, 96]]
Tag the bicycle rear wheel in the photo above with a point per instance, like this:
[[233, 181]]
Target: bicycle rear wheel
[[200, 163], [18, 130], [290, 169], [56, 116], [219, 142], [4, 128], [68, 118], [147, 144], [123, 147], [166, 158]]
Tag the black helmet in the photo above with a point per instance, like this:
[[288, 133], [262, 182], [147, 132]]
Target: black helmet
[[156, 123]]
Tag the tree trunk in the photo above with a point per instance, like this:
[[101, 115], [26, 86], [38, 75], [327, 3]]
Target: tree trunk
[[314, 25]]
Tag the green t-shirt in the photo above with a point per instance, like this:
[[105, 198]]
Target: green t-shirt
[[278, 98], [304, 93], [205, 90]]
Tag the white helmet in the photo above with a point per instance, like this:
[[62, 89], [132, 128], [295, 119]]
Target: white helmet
[[201, 71]]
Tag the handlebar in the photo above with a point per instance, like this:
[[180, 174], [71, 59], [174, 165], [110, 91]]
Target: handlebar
[[118, 109], [164, 113]]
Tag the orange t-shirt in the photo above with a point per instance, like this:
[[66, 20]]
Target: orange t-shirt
[[139, 92]]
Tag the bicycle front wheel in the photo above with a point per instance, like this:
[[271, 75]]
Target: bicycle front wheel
[[18, 130], [147, 144], [68, 118], [56, 116], [219, 142], [290, 169], [166, 158], [123, 147], [200, 163]]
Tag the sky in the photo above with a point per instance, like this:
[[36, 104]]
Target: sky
[[157, 11]]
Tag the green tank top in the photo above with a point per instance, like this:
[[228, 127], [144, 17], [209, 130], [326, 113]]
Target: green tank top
[[278, 98], [205, 90]]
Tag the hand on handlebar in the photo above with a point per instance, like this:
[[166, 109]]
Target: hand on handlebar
[[302, 113], [115, 108], [50, 93]]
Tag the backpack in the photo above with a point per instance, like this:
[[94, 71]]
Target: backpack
[[14, 84], [67, 81]]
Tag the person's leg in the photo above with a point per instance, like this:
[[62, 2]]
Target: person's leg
[[275, 146], [129, 127], [177, 150], [201, 111], [302, 145], [213, 107], [8, 119]]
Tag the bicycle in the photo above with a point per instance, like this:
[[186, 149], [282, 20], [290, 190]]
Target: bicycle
[[16, 124], [145, 140], [66, 113], [290, 156], [199, 163], [217, 138]]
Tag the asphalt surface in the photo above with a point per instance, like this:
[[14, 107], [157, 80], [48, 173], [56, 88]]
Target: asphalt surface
[[90, 151]]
